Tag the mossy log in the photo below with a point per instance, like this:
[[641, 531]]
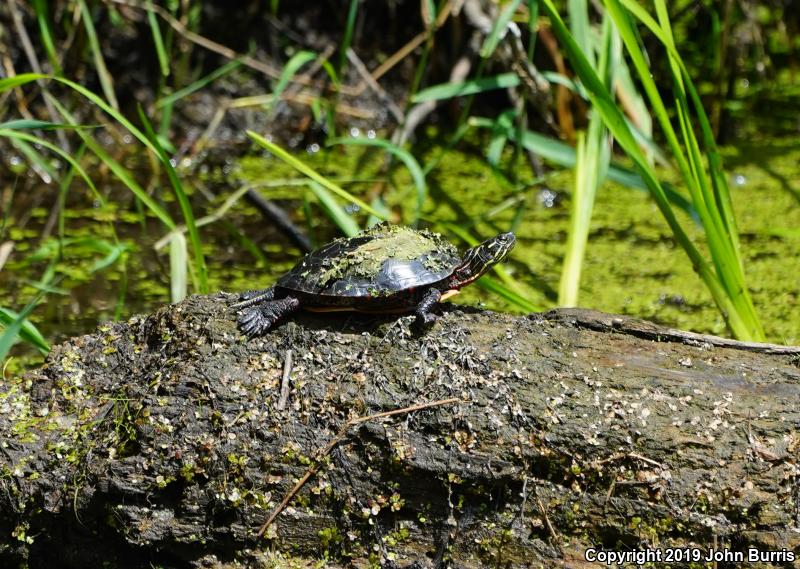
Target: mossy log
[[170, 439]]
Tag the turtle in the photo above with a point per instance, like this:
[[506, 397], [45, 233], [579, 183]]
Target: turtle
[[384, 269]]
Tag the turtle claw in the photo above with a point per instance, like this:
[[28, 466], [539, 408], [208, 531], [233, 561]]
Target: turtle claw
[[429, 318], [425, 320], [249, 294], [254, 322], [251, 297]]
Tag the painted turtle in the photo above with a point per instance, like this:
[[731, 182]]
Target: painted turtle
[[385, 269]]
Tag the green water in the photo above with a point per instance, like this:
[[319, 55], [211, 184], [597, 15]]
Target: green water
[[633, 265]]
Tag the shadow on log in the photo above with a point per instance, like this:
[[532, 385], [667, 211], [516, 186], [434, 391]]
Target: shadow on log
[[167, 440]]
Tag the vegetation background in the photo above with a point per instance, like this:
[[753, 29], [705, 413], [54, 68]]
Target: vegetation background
[[644, 153]]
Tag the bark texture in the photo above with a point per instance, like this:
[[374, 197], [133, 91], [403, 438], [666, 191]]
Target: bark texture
[[167, 439]]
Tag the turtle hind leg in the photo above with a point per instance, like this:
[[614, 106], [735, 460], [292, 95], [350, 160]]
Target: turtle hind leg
[[258, 319], [251, 297], [423, 310]]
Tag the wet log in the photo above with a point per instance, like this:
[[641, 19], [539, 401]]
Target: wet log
[[506, 441]]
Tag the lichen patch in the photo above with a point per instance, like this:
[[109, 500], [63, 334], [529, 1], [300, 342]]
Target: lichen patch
[[389, 242]]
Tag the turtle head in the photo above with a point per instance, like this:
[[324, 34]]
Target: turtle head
[[478, 260]]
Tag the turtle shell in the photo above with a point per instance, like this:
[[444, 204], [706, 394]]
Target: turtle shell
[[381, 261]]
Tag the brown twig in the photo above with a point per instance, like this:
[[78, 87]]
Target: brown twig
[[287, 371], [550, 528], [382, 95], [415, 42], [340, 436], [281, 220], [563, 96]]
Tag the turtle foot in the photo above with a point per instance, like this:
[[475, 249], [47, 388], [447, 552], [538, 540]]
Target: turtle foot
[[254, 323], [425, 320], [258, 319]]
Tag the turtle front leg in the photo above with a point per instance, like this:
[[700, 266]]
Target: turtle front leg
[[251, 297], [423, 310], [258, 319]]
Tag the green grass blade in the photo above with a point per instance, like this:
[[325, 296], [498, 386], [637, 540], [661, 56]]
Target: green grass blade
[[178, 261], [580, 214], [722, 195], [199, 84], [309, 172], [13, 134], [501, 290], [502, 126], [559, 79], [216, 215], [347, 39], [199, 262], [468, 87], [106, 80], [417, 175], [723, 236], [562, 154], [334, 77], [334, 211], [93, 97], [716, 217], [604, 103], [11, 321], [13, 329], [158, 40], [114, 252], [642, 122], [34, 124], [429, 13], [578, 11], [498, 29], [715, 191], [40, 7], [291, 68], [122, 173], [533, 26], [19, 80], [662, 115], [114, 113], [592, 164], [41, 165]]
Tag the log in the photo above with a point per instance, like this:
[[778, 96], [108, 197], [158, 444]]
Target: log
[[505, 441]]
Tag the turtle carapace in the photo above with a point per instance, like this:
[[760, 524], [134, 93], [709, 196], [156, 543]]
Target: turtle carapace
[[391, 269]]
